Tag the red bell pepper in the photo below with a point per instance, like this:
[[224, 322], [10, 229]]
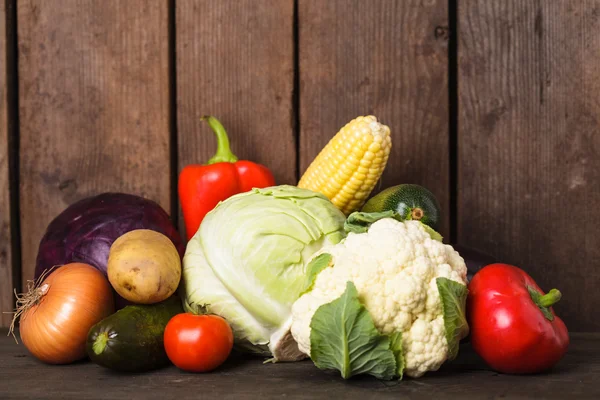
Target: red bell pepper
[[202, 187], [513, 326]]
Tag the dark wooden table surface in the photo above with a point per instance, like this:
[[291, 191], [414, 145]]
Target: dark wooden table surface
[[22, 377]]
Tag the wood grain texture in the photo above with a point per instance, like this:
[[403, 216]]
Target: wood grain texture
[[6, 263], [529, 143], [576, 376], [94, 106], [235, 61], [379, 57]]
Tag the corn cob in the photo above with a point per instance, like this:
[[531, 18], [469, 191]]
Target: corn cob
[[349, 166]]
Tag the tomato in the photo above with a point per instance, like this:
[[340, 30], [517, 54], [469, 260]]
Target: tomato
[[198, 343]]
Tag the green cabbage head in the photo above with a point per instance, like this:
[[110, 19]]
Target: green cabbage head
[[247, 262]]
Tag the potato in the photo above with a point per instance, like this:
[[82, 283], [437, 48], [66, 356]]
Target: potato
[[144, 266]]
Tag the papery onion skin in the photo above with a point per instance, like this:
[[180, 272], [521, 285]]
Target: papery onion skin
[[55, 330]]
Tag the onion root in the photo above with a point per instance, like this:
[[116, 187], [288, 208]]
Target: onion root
[[35, 292]]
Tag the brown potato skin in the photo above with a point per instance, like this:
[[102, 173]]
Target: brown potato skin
[[144, 266]]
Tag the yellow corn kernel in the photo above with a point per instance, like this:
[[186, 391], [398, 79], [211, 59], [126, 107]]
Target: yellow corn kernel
[[349, 166]]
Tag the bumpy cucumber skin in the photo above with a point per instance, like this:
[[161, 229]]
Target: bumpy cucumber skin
[[403, 199], [135, 336]]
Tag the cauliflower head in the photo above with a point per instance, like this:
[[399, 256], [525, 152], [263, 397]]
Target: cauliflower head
[[395, 268]]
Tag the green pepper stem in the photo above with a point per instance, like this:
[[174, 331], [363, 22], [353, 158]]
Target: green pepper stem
[[550, 298], [223, 153]]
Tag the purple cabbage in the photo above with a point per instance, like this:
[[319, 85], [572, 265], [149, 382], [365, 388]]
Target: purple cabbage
[[85, 231]]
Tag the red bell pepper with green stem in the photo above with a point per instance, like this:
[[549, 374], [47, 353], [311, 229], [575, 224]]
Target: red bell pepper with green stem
[[513, 326], [202, 187]]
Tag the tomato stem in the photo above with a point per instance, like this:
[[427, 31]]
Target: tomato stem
[[550, 298], [223, 153]]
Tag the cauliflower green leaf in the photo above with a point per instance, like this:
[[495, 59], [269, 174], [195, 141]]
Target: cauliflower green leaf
[[453, 296], [344, 337], [396, 347], [316, 265], [432, 232], [359, 222]]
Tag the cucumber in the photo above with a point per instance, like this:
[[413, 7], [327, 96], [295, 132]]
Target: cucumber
[[132, 338], [412, 202]]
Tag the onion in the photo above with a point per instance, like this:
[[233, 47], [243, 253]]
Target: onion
[[57, 314]]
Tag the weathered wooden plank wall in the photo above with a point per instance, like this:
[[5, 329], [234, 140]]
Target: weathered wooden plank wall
[[235, 60], [94, 106], [6, 257], [379, 57], [529, 142], [110, 93]]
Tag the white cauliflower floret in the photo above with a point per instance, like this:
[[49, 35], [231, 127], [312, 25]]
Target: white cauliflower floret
[[394, 267]]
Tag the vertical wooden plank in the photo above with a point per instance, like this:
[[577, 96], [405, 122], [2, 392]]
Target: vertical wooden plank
[[94, 106], [382, 57], [235, 61], [6, 263], [529, 142]]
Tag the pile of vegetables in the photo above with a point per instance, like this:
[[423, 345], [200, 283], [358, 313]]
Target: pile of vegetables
[[359, 285]]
